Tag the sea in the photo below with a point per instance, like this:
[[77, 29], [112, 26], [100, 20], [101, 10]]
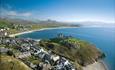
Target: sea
[[102, 37]]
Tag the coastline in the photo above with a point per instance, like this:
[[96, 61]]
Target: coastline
[[13, 35], [100, 65]]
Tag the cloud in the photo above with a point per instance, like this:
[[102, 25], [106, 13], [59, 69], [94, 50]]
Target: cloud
[[12, 13]]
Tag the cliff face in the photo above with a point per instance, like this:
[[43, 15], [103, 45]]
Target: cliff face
[[81, 52]]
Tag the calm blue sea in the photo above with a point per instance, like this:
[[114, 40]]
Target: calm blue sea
[[102, 37]]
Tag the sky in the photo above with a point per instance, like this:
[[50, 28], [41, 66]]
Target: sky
[[60, 10]]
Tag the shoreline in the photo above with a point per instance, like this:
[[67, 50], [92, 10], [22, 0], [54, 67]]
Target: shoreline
[[13, 35], [100, 65], [104, 64]]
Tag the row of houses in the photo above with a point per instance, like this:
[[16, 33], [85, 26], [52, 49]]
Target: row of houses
[[57, 62], [29, 47]]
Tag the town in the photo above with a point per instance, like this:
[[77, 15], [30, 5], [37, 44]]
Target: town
[[21, 49]]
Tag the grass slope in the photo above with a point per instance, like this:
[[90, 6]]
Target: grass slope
[[11, 63]]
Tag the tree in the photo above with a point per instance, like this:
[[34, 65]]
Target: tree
[[10, 53]]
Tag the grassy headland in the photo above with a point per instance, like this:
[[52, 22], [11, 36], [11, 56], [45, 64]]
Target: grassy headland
[[81, 52]]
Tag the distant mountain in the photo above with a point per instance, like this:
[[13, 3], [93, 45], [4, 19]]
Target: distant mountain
[[16, 21], [35, 21]]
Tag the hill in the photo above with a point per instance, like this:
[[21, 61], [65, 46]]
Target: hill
[[79, 51]]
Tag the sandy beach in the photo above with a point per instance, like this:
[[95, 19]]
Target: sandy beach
[[96, 66], [13, 35]]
